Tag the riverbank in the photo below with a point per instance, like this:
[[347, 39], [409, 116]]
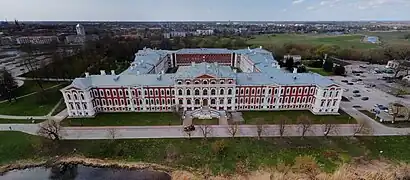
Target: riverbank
[[365, 170]]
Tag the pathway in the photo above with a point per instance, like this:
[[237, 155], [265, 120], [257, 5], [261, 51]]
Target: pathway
[[4, 101], [44, 79]]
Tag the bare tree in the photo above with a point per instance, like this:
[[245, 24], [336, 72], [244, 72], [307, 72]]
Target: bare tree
[[396, 109], [206, 130], [233, 129], [362, 128], [305, 124], [112, 133], [178, 111], [329, 127], [282, 125], [260, 127], [50, 129]]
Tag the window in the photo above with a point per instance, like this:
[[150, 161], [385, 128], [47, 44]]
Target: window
[[69, 96], [221, 101], [253, 91], [229, 101], [330, 94], [298, 100], [328, 103], [162, 101], [323, 103], [150, 92], [167, 92], [292, 100], [85, 106], [287, 90], [213, 91], [109, 102], [188, 82], [126, 93], [222, 82], [75, 97], [196, 82], [237, 91], [268, 100], [294, 91], [213, 82], [286, 99], [324, 94], [197, 92], [180, 101], [334, 102], [103, 102], [197, 101], [120, 92], [156, 101], [263, 91], [337, 94], [162, 92], [229, 91], [188, 101], [213, 101], [221, 92], [151, 101], [146, 102], [95, 93], [133, 93], [116, 102], [230, 82], [241, 91], [258, 91], [180, 92], [173, 92], [304, 100], [241, 100], [251, 100], [306, 90], [78, 106], [179, 82], [188, 92], [247, 92], [300, 90], [146, 92], [205, 82], [71, 105], [156, 92], [205, 92]]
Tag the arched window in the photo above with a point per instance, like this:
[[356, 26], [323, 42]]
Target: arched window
[[205, 92], [213, 91], [213, 82], [196, 91], [188, 92], [229, 91], [222, 82], [180, 92], [188, 82], [69, 96], [85, 106], [229, 101], [197, 101], [205, 81], [221, 92], [179, 82], [75, 97], [196, 82], [213, 101], [181, 102], [82, 96], [188, 101]]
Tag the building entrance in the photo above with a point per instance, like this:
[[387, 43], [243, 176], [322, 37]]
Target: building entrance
[[205, 102]]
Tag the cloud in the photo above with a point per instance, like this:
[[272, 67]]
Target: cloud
[[284, 10], [311, 8], [298, 1]]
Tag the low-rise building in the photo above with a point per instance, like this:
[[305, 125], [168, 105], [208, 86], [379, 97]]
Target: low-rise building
[[36, 40], [206, 78], [296, 58]]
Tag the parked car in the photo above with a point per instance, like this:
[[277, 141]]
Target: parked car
[[357, 106], [365, 98], [357, 95], [354, 80], [345, 81], [356, 91], [189, 128], [359, 80], [350, 83]]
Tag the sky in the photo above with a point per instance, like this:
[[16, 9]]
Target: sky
[[204, 10]]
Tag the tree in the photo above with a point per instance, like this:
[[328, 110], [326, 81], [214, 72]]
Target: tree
[[362, 128], [396, 109], [50, 129], [304, 124], [233, 129], [339, 70], [7, 85], [328, 65], [178, 111], [260, 127], [206, 130], [282, 125], [400, 92], [289, 64], [302, 69], [112, 133], [329, 127]]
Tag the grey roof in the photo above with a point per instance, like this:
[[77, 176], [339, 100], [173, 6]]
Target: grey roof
[[146, 59], [212, 69], [204, 51]]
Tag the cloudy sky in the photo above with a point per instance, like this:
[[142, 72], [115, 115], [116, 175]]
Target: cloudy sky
[[202, 10]]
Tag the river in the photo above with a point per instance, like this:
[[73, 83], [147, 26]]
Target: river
[[80, 172]]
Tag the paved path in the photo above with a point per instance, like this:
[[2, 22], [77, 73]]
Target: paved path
[[4, 101], [44, 79]]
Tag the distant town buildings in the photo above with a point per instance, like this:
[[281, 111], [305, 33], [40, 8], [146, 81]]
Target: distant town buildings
[[80, 30], [296, 58], [204, 32], [175, 34], [36, 40]]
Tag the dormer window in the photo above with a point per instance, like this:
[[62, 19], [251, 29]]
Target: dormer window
[[196, 82], [205, 81], [179, 82], [222, 82], [188, 82], [230, 82]]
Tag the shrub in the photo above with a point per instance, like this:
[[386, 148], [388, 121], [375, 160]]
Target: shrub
[[219, 147]]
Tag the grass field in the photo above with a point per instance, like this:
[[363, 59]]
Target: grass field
[[31, 86], [273, 117], [344, 41], [31, 105], [18, 121], [126, 119], [391, 37], [319, 71], [219, 156], [213, 121]]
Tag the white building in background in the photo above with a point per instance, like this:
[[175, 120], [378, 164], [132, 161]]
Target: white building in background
[[205, 79], [296, 58], [204, 32], [80, 30], [393, 64], [175, 34], [37, 39]]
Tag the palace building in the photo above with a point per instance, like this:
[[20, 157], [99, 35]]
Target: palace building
[[219, 80]]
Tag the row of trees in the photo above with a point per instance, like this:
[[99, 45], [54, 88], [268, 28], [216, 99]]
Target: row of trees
[[8, 85]]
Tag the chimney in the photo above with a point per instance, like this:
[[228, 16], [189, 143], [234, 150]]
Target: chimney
[[295, 70], [273, 64], [193, 64], [138, 72], [87, 74], [260, 47], [112, 72], [159, 77], [235, 71], [102, 72], [162, 72], [249, 48], [278, 66]]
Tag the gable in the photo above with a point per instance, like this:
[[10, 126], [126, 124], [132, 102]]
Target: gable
[[333, 86], [70, 87], [205, 76]]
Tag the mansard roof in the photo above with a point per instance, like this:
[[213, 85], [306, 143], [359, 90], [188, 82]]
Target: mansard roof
[[212, 69]]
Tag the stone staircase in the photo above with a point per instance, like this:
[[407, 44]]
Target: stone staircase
[[205, 113]]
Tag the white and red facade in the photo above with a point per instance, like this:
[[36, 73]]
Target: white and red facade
[[204, 78]]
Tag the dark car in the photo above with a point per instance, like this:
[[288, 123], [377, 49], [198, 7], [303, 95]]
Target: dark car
[[356, 91], [359, 80], [357, 106], [357, 95], [345, 81], [350, 83], [365, 98]]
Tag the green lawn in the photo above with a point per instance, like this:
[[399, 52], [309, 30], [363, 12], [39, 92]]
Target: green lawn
[[319, 71], [18, 121], [32, 105], [126, 119], [368, 113], [31, 86], [213, 121], [397, 124], [273, 117], [344, 41], [59, 108]]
